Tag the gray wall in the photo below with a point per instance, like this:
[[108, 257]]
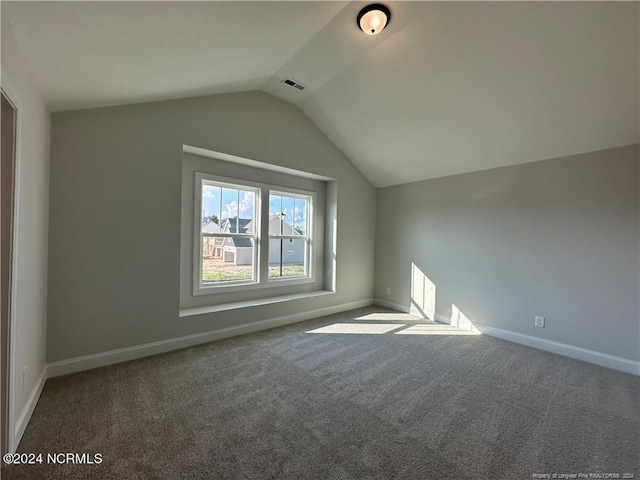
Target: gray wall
[[557, 238], [30, 223], [115, 207]]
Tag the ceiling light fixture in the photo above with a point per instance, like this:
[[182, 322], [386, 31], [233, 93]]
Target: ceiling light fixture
[[373, 18]]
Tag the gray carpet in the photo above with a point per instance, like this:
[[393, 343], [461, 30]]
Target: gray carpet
[[290, 404]]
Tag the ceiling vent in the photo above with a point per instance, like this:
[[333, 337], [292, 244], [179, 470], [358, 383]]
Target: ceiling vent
[[294, 84]]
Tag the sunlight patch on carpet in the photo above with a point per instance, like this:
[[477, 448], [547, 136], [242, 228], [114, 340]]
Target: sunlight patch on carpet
[[390, 317], [435, 330], [358, 328]]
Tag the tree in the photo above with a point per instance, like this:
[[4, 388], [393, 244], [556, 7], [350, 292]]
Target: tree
[[211, 218]]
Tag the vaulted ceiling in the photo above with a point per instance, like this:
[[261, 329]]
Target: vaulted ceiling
[[447, 88]]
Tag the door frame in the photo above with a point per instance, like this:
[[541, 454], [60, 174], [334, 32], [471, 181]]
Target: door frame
[[10, 94]]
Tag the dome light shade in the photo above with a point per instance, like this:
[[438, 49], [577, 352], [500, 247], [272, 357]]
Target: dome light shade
[[373, 18]]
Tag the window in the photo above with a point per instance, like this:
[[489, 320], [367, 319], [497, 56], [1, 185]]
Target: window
[[244, 241], [253, 233], [229, 233], [288, 235]]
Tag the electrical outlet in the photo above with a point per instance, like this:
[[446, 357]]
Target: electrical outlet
[[539, 322], [25, 376], [388, 291]]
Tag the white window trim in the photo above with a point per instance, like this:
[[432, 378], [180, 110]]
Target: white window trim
[[261, 261]]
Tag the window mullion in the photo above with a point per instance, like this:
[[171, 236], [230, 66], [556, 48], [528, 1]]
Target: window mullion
[[289, 237], [229, 235]]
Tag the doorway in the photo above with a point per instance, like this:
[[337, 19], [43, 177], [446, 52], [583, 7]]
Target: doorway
[[7, 193]]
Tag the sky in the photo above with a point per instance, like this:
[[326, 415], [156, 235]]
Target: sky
[[225, 203]]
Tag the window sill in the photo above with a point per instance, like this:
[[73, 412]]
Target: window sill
[[188, 312]]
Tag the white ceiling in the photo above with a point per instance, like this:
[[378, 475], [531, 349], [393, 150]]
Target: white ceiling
[[447, 88]]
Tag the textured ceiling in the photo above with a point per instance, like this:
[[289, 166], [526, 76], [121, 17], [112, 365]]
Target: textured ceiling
[[447, 88]]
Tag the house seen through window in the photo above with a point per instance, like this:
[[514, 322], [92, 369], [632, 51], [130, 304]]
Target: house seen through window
[[288, 240], [252, 234]]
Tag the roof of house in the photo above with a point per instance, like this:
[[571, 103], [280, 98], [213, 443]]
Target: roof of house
[[246, 225], [211, 227], [287, 229], [241, 242], [243, 225]]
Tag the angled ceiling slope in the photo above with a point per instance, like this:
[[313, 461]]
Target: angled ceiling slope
[[447, 88], [455, 87], [88, 54]]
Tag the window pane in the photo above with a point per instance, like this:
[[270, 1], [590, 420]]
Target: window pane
[[229, 209], [287, 217], [300, 216], [227, 259], [287, 257], [238, 210], [291, 214], [211, 195], [275, 209], [287, 213]]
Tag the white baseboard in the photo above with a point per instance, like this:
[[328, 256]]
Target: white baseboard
[[579, 353], [391, 305], [27, 411], [89, 362]]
